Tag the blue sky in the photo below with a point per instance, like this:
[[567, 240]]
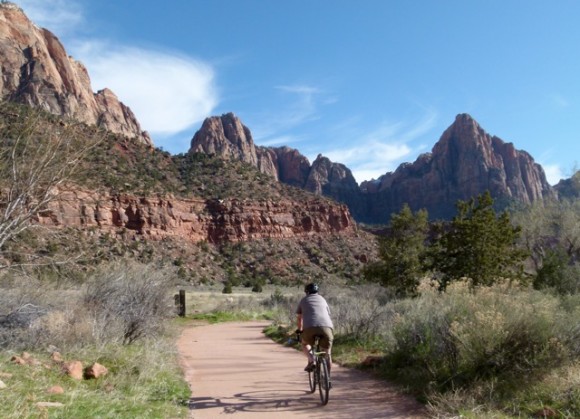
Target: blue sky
[[368, 83]]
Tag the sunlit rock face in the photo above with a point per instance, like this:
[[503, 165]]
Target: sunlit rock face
[[36, 70], [196, 219], [226, 137]]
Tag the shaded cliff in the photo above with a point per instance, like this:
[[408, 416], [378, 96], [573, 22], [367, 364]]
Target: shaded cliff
[[465, 162]]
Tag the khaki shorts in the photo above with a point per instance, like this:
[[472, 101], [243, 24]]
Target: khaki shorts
[[326, 339]]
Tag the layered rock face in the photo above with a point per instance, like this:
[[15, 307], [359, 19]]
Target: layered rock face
[[465, 162], [36, 70], [225, 137], [195, 220]]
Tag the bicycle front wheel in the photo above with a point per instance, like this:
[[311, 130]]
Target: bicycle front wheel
[[323, 381]]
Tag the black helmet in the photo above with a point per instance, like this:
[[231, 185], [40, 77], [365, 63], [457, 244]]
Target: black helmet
[[311, 289]]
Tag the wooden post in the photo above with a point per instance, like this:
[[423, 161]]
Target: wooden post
[[181, 310]]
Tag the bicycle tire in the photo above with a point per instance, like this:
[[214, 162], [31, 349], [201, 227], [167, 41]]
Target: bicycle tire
[[323, 380], [312, 380]]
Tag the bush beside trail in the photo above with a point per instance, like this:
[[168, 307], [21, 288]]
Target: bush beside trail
[[504, 350], [118, 317]]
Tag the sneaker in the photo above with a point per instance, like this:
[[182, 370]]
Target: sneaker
[[310, 367]]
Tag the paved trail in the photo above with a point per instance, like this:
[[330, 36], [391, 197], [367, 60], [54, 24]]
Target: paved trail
[[234, 370]]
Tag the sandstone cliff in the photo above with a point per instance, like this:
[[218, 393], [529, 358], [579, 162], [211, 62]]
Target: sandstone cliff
[[36, 70], [196, 220], [336, 181]]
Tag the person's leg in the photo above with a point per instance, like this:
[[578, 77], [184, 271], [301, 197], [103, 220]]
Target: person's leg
[[307, 342], [326, 344], [306, 348]]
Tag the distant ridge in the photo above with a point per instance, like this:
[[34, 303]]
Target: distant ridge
[[465, 162]]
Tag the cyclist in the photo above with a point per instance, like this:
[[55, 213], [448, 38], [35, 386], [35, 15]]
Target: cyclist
[[313, 318]]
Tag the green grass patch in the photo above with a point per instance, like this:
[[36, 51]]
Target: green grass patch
[[278, 334], [144, 381]]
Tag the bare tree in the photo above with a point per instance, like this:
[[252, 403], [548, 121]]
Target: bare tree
[[39, 155]]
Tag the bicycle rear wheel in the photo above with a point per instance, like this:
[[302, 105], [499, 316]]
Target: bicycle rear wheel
[[323, 380]]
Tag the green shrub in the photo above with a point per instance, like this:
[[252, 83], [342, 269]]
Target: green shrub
[[456, 338], [359, 313]]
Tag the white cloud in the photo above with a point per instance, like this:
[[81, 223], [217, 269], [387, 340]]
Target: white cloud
[[280, 141], [167, 92], [383, 149], [553, 173], [299, 104], [371, 159], [559, 101]]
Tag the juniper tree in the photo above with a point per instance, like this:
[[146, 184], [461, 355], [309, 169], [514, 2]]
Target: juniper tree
[[478, 244], [401, 251]]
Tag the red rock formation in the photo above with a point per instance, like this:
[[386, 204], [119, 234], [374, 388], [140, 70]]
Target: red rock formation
[[293, 167], [229, 139], [225, 136], [36, 70], [198, 220], [336, 181], [464, 163]]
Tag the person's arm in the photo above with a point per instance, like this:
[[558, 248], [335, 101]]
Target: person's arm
[[299, 321]]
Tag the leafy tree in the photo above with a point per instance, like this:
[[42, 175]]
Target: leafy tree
[[401, 252], [550, 225], [477, 244]]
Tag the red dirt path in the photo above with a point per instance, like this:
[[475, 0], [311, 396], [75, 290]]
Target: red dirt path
[[234, 370]]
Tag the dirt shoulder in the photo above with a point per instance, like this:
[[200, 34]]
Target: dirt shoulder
[[233, 369]]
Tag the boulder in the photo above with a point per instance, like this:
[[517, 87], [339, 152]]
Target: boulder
[[95, 371], [73, 369]]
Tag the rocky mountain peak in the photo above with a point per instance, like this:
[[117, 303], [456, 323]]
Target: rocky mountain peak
[[37, 71], [226, 137], [465, 162]]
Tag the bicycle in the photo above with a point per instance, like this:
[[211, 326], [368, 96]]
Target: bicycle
[[320, 376]]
